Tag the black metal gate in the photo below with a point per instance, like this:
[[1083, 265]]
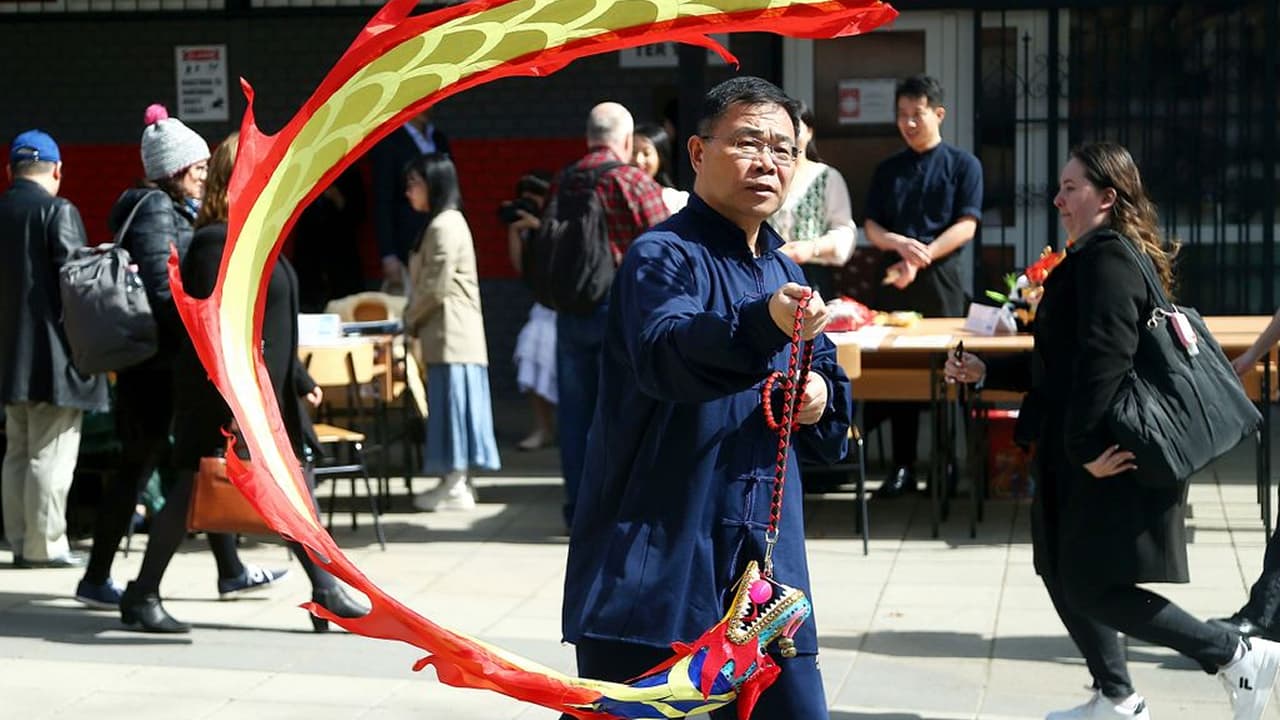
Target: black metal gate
[[1189, 88]]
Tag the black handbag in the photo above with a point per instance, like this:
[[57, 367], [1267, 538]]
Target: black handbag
[[1178, 409]]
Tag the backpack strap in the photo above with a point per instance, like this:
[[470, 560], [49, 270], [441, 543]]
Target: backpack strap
[[118, 239], [1155, 288]]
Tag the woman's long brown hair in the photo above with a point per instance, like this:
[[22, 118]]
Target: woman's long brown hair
[[1108, 165], [214, 208]]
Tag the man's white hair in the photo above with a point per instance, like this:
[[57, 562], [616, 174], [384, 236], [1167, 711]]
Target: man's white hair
[[609, 124]]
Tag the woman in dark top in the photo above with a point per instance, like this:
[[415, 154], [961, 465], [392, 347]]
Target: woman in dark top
[[203, 415], [1097, 532]]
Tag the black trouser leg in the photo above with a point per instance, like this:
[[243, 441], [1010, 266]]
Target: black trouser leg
[[225, 554], [144, 410], [1098, 644], [1263, 607], [321, 579], [1149, 617], [904, 422], [168, 528]]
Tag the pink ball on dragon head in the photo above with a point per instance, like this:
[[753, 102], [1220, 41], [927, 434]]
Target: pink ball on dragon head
[[760, 592]]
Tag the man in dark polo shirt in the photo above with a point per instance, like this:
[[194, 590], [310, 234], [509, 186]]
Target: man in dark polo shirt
[[922, 207]]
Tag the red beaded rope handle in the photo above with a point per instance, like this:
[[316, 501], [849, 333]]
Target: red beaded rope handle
[[792, 385]]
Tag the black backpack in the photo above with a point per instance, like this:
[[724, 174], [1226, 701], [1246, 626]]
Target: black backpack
[[105, 312], [568, 261]]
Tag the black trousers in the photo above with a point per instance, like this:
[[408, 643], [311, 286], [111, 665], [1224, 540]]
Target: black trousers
[[1263, 607], [1095, 615], [797, 694], [169, 528], [904, 422], [143, 416]]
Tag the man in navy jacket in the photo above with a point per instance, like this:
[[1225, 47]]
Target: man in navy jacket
[[675, 496]]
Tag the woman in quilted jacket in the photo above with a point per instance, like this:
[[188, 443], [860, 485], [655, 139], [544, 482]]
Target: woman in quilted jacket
[[154, 218]]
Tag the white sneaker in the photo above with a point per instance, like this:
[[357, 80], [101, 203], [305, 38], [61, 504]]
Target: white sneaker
[[453, 493], [1100, 707], [1249, 680]]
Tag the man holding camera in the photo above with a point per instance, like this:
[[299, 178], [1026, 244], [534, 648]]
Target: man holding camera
[[536, 344]]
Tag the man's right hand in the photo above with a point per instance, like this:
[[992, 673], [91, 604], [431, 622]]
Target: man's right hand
[[913, 251], [526, 221], [782, 308], [1244, 364]]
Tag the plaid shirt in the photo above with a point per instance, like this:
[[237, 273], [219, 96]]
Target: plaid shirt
[[632, 200]]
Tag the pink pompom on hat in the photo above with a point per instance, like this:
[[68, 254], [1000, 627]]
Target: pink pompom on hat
[[169, 146]]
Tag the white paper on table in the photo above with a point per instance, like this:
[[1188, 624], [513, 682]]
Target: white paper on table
[[866, 338], [922, 341]]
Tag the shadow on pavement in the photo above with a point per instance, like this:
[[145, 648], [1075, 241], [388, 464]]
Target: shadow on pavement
[[942, 644]]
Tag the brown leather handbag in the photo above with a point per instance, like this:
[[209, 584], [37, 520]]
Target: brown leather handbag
[[217, 505]]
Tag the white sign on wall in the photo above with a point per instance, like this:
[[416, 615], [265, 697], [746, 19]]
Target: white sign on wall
[[202, 82], [665, 55], [865, 101]]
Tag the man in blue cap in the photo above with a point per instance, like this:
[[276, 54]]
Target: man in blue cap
[[44, 395]]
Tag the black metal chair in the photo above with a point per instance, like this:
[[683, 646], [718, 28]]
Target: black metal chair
[[350, 367], [854, 469]]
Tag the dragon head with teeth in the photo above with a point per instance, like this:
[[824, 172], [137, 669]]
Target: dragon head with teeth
[[730, 661]]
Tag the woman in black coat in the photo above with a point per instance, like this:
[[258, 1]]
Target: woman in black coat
[[1097, 532], [202, 416], [152, 218]]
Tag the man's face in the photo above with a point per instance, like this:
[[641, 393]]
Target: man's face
[[919, 122], [745, 163]]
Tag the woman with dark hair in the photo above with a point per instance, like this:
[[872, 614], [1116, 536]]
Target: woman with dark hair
[[444, 313], [1096, 531], [652, 153], [816, 218], [203, 417]]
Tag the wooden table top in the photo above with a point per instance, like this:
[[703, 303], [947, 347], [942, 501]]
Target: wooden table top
[[878, 348], [932, 335]]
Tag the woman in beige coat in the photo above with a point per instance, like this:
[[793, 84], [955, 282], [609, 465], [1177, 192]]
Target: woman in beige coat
[[444, 313]]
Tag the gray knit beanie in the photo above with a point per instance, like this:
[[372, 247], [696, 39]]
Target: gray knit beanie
[[168, 146]]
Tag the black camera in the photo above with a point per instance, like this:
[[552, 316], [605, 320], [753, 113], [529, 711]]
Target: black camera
[[507, 211]]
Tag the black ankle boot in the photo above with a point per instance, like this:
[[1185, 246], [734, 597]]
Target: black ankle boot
[[143, 611], [337, 601]]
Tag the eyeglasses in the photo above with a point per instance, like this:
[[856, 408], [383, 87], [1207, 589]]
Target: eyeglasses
[[748, 147]]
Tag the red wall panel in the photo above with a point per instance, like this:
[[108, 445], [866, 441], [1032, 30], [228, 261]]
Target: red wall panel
[[95, 175]]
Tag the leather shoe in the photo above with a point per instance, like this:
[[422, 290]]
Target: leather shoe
[[1246, 627], [143, 611], [899, 482], [337, 601]]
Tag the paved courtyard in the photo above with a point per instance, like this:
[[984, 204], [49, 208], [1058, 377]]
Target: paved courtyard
[[920, 629]]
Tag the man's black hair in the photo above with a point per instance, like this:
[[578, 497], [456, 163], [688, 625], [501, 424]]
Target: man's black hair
[[920, 86], [744, 90], [537, 182]]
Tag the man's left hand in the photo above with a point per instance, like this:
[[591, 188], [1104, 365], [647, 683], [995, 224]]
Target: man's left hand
[[814, 400], [906, 274], [799, 252], [315, 397]]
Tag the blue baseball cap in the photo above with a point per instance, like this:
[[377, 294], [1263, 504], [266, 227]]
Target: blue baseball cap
[[34, 145]]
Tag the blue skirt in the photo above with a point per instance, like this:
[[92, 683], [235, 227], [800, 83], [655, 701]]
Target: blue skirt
[[460, 420]]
